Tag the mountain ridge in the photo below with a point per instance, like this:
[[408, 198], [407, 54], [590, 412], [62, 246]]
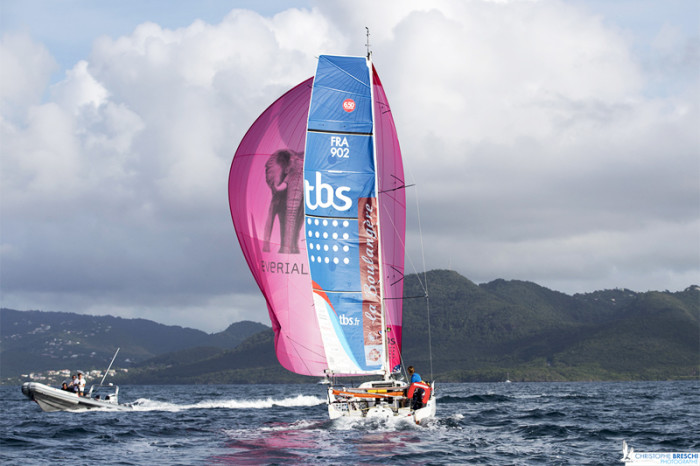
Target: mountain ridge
[[480, 332], [34, 340]]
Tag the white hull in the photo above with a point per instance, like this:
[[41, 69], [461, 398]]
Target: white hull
[[52, 399], [379, 400]]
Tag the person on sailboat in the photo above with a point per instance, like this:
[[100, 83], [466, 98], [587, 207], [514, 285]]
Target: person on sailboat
[[415, 376], [419, 391]]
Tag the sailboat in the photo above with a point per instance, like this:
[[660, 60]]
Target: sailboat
[[317, 197]]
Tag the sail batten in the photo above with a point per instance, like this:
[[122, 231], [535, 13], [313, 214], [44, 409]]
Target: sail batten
[[339, 132]]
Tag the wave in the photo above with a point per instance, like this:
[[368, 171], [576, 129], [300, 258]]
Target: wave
[[391, 424], [145, 404], [550, 431], [488, 398], [302, 424], [541, 414]]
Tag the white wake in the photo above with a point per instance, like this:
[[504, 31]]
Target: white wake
[[145, 404]]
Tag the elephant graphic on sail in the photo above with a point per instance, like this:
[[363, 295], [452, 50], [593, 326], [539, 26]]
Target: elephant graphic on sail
[[284, 176]]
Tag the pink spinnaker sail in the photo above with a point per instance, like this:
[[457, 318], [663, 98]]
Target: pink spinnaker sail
[[266, 201], [392, 216]]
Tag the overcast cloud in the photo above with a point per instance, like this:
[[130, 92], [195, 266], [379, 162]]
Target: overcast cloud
[[550, 141]]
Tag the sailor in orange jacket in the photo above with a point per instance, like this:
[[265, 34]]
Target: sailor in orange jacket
[[419, 392]]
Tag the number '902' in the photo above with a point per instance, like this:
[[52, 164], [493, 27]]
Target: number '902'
[[340, 152]]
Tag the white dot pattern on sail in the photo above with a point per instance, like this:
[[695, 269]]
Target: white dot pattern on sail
[[325, 247]]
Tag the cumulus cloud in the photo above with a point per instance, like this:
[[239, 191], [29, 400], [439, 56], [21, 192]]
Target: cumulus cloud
[[26, 69], [543, 147]]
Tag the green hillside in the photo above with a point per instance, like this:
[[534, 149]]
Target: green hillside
[[32, 341], [531, 333], [478, 333], [253, 361]]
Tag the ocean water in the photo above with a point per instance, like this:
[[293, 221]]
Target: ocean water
[[491, 424]]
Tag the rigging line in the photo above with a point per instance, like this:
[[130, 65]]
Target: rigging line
[[430, 337], [403, 365], [427, 297], [410, 261], [294, 345], [389, 323], [402, 361], [409, 297], [396, 189], [422, 247], [423, 286], [400, 272], [403, 243], [400, 180]]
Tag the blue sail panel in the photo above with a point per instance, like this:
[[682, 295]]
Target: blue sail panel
[[341, 216], [346, 314], [335, 194], [333, 250], [340, 152], [338, 170], [341, 100]]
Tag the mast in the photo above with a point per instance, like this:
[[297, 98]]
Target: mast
[[367, 44], [110, 366]]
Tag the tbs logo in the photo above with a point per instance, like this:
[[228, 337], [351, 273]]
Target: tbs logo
[[348, 105], [345, 320], [325, 195]]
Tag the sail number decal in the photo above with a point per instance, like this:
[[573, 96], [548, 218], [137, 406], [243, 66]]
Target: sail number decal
[[340, 147], [338, 168], [349, 105]]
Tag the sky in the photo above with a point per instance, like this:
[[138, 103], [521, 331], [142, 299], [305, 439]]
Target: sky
[[556, 142]]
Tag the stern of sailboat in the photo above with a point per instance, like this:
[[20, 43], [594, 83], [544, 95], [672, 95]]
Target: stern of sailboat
[[377, 399]]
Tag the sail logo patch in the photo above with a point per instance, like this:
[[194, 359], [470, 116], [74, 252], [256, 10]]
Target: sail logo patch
[[326, 196], [349, 105], [328, 236], [345, 320]]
